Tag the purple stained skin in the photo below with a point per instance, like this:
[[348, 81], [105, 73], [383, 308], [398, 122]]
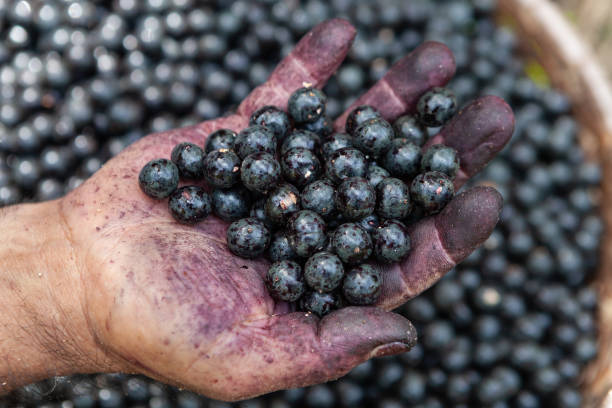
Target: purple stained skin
[[171, 302]]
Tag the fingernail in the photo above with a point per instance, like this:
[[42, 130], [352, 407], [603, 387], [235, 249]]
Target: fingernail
[[390, 349]]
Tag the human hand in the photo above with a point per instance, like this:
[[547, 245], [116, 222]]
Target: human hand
[[171, 302]]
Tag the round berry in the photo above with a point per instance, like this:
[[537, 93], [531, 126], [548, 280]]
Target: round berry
[[408, 127], [355, 198], [189, 160], [220, 139], [374, 137], [441, 158], [431, 191], [222, 168], [351, 243], [323, 126], [300, 166], [376, 174], [391, 242], [335, 142], [306, 105], [247, 237], [231, 204], [284, 281], [320, 197], [318, 303], [159, 178], [254, 139], [190, 204], [393, 198], [273, 119], [359, 116], [345, 163], [301, 138], [361, 285], [283, 201], [258, 211], [260, 172], [306, 232], [403, 158], [323, 271], [279, 248], [370, 223], [436, 107]]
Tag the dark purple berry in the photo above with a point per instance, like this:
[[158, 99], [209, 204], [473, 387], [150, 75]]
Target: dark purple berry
[[190, 204], [431, 191], [374, 137], [283, 201], [391, 242], [361, 285], [260, 172], [370, 223], [324, 126], [284, 281], [320, 197], [159, 178], [306, 232], [393, 198], [355, 198], [351, 243], [279, 248], [408, 127], [335, 142], [231, 204], [306, 105], [358, 116], [222, 168], [323, 271], [272, 118], [247, 237], [301, 138], [403, 159], [254, 139], [220, 139], [441, 158], [189, 160], [436, 107], [376, 174], [345, 163], [318, 303], [300, 166]]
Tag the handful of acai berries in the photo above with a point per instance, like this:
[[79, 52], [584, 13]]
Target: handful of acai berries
[[325, 207]]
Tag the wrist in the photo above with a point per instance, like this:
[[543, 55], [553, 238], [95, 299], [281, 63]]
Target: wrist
[[43, 330]]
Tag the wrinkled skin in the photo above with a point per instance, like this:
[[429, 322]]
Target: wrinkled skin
[[169, 301]]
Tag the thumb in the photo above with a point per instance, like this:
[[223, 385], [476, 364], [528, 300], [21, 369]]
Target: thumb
[[299, 349]]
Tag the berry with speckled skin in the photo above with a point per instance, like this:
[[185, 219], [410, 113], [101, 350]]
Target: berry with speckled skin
[[403, 159], [324, 126], [323, 271], [358, 116], [272, 118], [320, 197], [189, 160], [370, 223], [279, 248], [231, 204], [300, 166], [306, 105], [374, 137], [352, 243], [283, 201], [260, 172], [361, 285], [284, 281], [221, 168], [258, 211], [306, 232], [301, 138], [318, 303], [254, 139], [345, 163], [335, 142], [159, 178], [376, 174], [220, 139], [436, 107], [391, 242], [431, 191], [190, 204], [408, 127], [441, 158], [393, 198], [355, 198], [248, 237]]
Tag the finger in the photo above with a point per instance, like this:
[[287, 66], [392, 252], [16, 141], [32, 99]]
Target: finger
[[440, 242], [313, 60], [478, 132], [299, 349], [431, 64]]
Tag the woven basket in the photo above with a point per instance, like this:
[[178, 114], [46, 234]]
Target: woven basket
[[573, 68]]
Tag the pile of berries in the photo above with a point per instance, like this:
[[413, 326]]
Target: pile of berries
[[321, 205]]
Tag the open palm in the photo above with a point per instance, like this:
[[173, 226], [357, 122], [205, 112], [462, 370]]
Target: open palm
[[171, 302]]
